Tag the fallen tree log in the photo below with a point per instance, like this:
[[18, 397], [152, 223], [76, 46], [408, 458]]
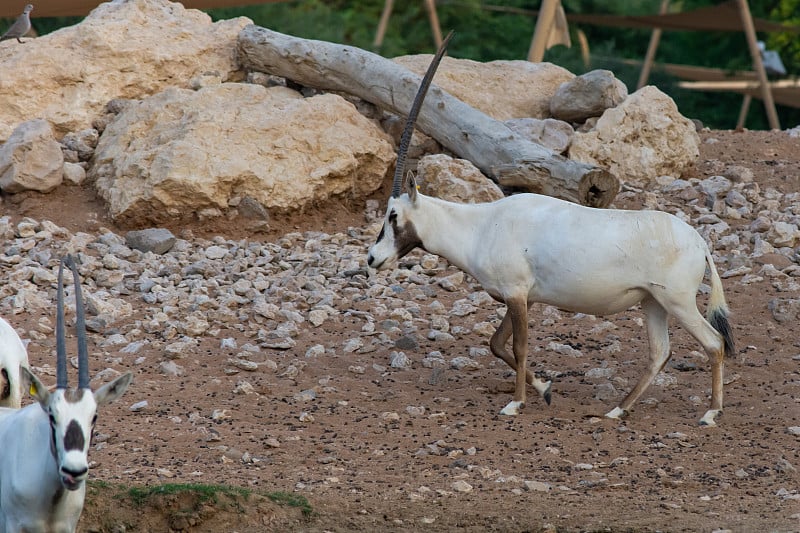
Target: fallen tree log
[[470, 134]]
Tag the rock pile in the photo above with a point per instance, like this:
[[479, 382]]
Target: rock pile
[[169, 293], [151, 105]]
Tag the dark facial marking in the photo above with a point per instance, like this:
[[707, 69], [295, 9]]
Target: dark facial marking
[[405, 237], [73, 439]]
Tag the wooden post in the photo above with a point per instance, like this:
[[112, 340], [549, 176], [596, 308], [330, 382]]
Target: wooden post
[[758, 64], [655, 37], [743, 111], [544, 24], [384, 21], [388, 5], [433, 17]]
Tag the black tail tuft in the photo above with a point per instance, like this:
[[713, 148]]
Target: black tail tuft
[[718, 318]]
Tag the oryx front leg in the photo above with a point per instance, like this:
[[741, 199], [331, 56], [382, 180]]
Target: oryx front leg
[[658, 336], [517, 316], [498, 346]]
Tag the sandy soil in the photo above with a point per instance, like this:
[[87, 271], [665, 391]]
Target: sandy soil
[[367, 458]]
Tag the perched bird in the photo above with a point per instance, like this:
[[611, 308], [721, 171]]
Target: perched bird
[[21, 26]]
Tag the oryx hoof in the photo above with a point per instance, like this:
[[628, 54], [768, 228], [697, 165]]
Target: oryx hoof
[[710, 418], [512, 409], [617, 413]]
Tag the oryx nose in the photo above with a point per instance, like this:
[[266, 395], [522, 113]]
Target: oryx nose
[[75, 473], [370, 259]]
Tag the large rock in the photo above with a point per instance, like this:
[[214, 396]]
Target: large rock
[[31, 159], [455, 180], [123, 49], [587, 95], [501, 89], [182, 152], [641, 139]]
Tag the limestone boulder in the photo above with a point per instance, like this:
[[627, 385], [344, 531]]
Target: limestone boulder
[[501, 89], [31, 159], [641, 139], [122, 49], [587, 95], [181, 152], [455, 180]]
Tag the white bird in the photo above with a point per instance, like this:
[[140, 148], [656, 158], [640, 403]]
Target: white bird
[[21, 26]]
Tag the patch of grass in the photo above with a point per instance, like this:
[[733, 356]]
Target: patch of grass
[[291, 500], [205, 492]]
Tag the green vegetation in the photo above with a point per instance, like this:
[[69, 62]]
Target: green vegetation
[[203, 492], [291, 500], [487, 30], [139, 496]]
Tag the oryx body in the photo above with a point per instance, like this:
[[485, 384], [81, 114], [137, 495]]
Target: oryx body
[[44, 447], [13, 355], [531, 248]]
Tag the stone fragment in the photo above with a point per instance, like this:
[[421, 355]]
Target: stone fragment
[[31, 159], [155, 240]]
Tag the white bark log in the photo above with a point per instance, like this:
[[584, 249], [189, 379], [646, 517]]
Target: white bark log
[[487, 143]]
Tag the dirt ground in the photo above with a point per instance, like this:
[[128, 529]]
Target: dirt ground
[[367, 457]]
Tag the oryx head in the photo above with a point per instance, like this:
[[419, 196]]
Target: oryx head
[[72, 412], [398, 235]]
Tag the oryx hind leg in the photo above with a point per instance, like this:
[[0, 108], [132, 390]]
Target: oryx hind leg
[[656, 318], [690, 318], [498, 346]]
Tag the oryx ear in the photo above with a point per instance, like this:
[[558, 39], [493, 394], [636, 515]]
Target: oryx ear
[[29, 380], [113, 390], [411, 187]]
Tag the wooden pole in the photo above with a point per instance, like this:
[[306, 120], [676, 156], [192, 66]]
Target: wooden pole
[[743, 111], [544, 25], [430, 5], [758, 64], [384, 21], [655, 38]]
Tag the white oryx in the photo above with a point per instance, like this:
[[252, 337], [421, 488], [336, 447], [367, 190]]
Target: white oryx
[[13, 355], [44, 447], [530, 248]]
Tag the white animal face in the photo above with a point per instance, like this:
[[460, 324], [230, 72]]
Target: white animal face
[[72, 414], [71, 423], [398, 235]]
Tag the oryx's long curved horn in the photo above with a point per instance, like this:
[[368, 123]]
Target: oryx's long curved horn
[[80, 328], [61, 344], [405, 139]]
